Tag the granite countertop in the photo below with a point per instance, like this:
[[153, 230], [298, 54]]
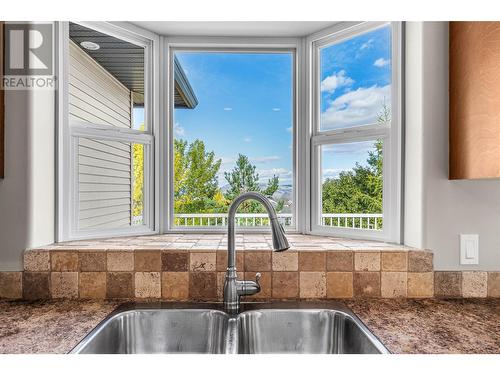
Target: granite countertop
[[425, 326], [404, 326]]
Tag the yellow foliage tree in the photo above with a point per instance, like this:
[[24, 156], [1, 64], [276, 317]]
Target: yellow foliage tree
[[138, 175]]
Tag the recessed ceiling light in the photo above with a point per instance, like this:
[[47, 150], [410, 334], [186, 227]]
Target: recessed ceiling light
[[91, 46]]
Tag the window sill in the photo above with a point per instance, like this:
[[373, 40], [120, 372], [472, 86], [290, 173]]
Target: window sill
[[210, 242]]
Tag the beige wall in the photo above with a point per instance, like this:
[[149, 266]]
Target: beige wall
[[27, 195]]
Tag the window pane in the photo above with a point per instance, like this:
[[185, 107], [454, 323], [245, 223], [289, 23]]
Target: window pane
[[106, 79], [355, 79], [352, 185], [110, 184], [233, 135]]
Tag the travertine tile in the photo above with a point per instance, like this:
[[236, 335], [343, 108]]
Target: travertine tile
[[147, 285], [494, 284], [222, 261], [394, 261], [420, 261], [147, 261], [202, 262], [64, 285], [36, 285], [366, 284], [120, 261], [203, 286], [92, 261], [258, 261], [474, 284], [63, 261], [11, 285], [285, 284], [339, 284], [175, 261], [340, 261], [447, 284], [312, 285], [37, 261], [393, 284], [92, 285], [265, 285], [420, 284], [312, 261], [120, 285], [367, 261], [175, 285], [285, 261]]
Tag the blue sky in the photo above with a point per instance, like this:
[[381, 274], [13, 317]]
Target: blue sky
[[355, 83], [245, 103], [245, 106]]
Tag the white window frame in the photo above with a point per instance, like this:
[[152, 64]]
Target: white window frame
[[235, 45], [390, 133], [159, 138], [70, 131]]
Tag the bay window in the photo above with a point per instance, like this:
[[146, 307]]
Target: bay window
[[106, 158], [356, 136], [160, 137]]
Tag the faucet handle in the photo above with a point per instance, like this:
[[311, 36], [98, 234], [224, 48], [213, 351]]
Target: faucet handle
[[257, 278]]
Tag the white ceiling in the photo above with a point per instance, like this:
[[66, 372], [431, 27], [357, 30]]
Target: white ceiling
[[230, 28]]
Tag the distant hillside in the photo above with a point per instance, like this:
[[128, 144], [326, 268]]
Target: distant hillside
[[284, 191]]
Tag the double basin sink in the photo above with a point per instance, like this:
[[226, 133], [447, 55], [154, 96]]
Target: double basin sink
[[259, 328]]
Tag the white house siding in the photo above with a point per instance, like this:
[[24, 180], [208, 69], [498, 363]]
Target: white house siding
[[104, 167]]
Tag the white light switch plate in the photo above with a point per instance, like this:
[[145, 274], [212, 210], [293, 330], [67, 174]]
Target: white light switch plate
[[469, 249]]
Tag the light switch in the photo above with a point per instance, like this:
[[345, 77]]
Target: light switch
[[469, 249]]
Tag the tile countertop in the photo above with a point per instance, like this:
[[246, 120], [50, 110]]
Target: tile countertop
[[204, 242], [404, 326]]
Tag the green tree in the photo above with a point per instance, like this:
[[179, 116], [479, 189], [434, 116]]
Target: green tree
[[244, 178], [195, 177]]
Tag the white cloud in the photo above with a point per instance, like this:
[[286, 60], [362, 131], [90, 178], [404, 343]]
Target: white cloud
[[330, 173], [289, 129], [276, 109], [283, 174], [265, 159], [367, 44], [228, 109], [247, 139], [179, 131], [336, 80], [379, 63], [358, 107], [228, 162], [353, 149]]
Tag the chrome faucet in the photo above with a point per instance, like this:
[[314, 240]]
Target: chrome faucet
[[233, 288]]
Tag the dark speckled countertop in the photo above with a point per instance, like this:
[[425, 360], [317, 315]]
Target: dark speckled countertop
[[464, 326], [404, 326]]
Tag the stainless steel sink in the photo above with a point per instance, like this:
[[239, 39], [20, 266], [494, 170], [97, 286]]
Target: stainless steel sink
[[187, 328], [315, 331], [158, 331]]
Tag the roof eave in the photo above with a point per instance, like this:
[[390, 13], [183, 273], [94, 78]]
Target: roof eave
[[183, 86]]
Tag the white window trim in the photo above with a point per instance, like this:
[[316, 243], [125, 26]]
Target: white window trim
[[225, 44], [68, 133], [160, 91], [392, 149]]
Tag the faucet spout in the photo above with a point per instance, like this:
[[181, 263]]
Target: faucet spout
[[233, 288]]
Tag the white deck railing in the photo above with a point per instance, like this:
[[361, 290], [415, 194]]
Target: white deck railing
[[356, 221]]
